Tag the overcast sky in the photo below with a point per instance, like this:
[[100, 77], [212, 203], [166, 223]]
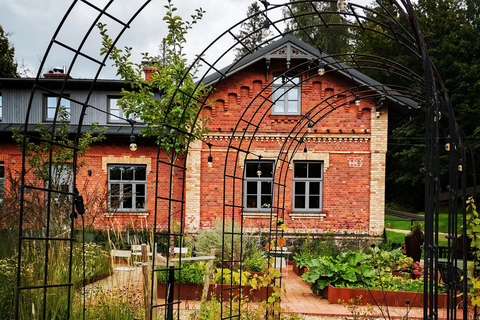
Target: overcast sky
[[32, 24]]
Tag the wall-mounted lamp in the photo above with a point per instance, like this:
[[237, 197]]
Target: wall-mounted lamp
[[309, 127], [305, 150], [342, 5], [133, 141], [328, 130], [321, 69], [89, 173], [357, 100], [377, 111], [259, 167], [210, 158]]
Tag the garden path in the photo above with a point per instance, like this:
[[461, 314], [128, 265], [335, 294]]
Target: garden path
[[297, 298]]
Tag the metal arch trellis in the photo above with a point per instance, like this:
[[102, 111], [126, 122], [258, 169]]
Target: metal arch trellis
[[429, 86]]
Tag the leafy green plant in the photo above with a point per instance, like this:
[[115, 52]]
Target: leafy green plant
[[191, 273], [226, 276], [303, 258], [346, 268]]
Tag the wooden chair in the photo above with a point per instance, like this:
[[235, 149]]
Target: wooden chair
[[122, 254]]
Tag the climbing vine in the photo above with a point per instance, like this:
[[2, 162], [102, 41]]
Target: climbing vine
[[473, 230]]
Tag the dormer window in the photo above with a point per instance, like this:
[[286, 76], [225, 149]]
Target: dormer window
[[286, 96]]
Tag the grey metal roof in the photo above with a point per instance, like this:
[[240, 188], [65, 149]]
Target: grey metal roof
[[343, 69]]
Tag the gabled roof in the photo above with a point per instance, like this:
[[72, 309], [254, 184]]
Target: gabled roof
[[284, 47]]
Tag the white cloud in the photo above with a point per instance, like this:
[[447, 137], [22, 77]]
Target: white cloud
[[32, 24]]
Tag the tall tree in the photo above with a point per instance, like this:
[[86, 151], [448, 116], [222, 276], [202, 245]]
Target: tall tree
[[177, 106], [8, 66], [318, 24], [251, 34], [450, 29]]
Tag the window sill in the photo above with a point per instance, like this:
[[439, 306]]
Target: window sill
[[256, 214], [127, 213], [307, 215]]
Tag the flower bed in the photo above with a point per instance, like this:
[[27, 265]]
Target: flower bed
[[385, 298], [194, 291]]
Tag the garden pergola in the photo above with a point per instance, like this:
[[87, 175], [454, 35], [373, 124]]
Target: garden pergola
[[400, 26]]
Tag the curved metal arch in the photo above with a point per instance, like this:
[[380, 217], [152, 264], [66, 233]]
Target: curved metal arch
[[406, 4]]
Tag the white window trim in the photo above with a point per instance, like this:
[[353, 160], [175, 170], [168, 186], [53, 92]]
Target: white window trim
[[113, 211], [46, 106], [307, 181], [118, 112], [259, 180], [287, 85]]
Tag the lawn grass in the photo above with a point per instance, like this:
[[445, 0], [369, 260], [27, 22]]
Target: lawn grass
[[398, 237], [397, 223]]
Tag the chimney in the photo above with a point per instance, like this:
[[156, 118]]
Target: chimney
[[57, 73], [148, 71]]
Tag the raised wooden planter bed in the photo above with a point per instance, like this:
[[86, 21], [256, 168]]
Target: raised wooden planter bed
[[382, 298], [194, 292], [297, 270]]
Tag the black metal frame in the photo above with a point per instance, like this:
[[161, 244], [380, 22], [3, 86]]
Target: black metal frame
[[430, 92]]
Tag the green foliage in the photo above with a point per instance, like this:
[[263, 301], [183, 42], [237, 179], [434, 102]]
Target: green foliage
[[303, 258], [473, 230], [172, 115], [226, 276], [8, 66], [208, 239], [38, 154], [192, 272], [334, 39], [251, 34], [96, 264], [346, 269], [255, 259]]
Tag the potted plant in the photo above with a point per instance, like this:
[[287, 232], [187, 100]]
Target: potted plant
[[406, 267], [414, 241]]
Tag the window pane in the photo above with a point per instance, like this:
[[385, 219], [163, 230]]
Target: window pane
[[141, 173], [315, 170], [140, 202], [252, 187], [65, 103], [314, 188], [140, 190], [251, 169], [266, 201], [127, 196], [267, 169], [300, 170], [51, 107], [314, 202], [127, 173], [292, 106], [266, 187], [252, 201], [299, 202], [299, 188], [2, 171], [115, 173]]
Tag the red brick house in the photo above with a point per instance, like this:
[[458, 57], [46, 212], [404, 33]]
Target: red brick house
[[272, 103]]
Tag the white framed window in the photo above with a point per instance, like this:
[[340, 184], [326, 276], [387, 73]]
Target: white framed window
[[115, 111], [50, 106], [1, 107], [308, 186], [127, 186], [258, 189], [2, 181], [286, 96]]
